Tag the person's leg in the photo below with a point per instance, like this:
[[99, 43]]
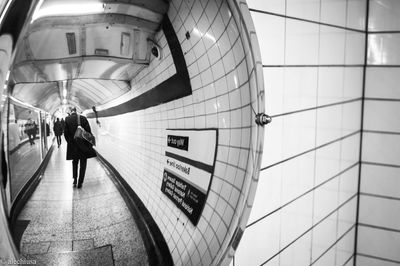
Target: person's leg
[[75, 169], [30, 139], [82, 171]]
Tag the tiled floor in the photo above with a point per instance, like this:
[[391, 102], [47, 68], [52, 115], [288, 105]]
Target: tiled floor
[[65, 219]]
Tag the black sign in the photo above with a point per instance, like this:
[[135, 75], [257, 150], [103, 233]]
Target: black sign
[[178, 142], [186, 197]]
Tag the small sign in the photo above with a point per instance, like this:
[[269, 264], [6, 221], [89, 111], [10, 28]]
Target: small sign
[[186, 197], [178, 142], [188, 169]]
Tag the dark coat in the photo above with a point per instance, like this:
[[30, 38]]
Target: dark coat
[[73, 150], [57, 128]]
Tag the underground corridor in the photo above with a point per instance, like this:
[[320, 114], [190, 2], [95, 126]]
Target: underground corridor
[[222, 132], [176, 110]]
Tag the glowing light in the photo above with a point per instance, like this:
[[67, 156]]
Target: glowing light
[[70, 9], [207, 35], [7, 75]]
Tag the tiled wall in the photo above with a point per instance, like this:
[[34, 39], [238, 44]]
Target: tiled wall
[[379, 226], [313, 53], [227, 88]]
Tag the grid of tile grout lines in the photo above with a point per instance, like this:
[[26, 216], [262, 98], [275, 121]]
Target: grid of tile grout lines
[[306, 203], [217, 57]]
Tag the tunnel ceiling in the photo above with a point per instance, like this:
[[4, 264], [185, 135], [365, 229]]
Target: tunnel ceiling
[[91, 49]]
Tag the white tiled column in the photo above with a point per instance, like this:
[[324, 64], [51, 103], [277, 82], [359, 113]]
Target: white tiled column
[[306, 202], [379, 227]]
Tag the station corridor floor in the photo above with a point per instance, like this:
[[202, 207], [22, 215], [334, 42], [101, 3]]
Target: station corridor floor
[[87, 226]]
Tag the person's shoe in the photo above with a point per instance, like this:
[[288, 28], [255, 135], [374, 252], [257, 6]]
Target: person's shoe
[[74, 183], [79, 185]]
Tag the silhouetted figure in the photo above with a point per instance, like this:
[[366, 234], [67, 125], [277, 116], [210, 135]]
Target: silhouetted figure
[[74, 152], [62, 124], [57, 128], [47, 129], [30, 130]]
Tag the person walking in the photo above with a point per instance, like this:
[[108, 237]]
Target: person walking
[[77, 154], [57, 128], [30, 130], [62, 124]]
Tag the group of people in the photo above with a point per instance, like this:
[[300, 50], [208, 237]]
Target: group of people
[[75, 152], [58, 128]]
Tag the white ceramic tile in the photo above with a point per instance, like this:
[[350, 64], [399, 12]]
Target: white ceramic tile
[[330, 85], [355, 48], [382, 116], [303, 9], [300, 88], [327, 259], [274, 80], [329, 124], [380, 180], [356, 14], [268, 195], [298, 253], [324, 235], [325, 199], [381, 148], [273, 262], [351, 117], [297, 177], [331, 45], [347, 216], [273, 143], [345, 248], [352, 83], [384, 15], [271, 36], [259, 242], [383, 49], [350, 262], [348, 184], [368, 261], [298, 133], [296, 218], [379, 243], [382, 83], [273, 6], [304, 37], [379, 212], [334, 12]]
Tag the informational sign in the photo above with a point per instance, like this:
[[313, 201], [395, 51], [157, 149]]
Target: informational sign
[[189, 166]]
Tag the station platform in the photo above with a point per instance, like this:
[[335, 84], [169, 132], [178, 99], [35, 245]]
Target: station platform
[[87, 226]]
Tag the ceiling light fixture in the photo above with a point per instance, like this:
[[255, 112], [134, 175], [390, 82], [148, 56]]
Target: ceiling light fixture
[[70, 9]]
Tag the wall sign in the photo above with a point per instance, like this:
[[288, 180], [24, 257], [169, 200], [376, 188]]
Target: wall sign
[[189, 166]]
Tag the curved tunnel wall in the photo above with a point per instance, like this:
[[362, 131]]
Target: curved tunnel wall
[[225, 90]]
